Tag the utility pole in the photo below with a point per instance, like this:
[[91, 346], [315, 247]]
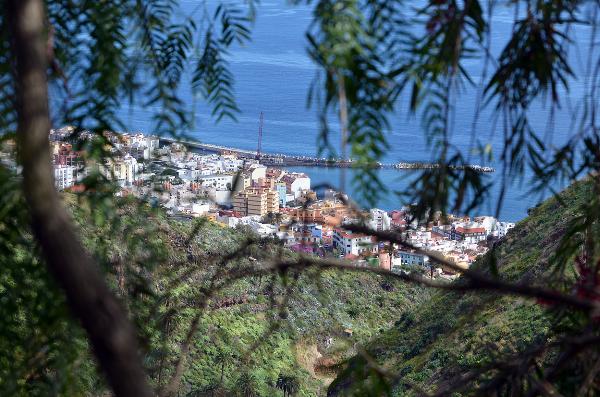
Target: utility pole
[[260, 134]]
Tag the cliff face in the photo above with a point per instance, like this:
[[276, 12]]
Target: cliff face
[[451, 334]]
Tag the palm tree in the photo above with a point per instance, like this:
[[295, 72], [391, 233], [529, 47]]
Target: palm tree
[[288, 384], [247, 385], [223, 358]]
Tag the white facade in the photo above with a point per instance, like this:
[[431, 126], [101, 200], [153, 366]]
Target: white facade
[[190, 174], [231, 165], [257, 171], [489, 223], [355, 244], [222, 197], [504, 227], [300, 184], [380, 220], [200, 208], [219, 182], [63, 176]]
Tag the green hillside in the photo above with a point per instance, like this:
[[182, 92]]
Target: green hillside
[[257, 335], [254, 334], [444, 338]]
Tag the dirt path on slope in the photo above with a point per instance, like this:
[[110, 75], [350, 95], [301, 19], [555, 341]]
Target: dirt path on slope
[[309, 358]]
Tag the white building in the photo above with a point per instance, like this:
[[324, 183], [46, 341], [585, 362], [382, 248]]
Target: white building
[[489, 223], [380, 220], [218, 181], [257, 171], [63, 176], [504, 227], [200, 208], [140, 152], [231, 165], [262, 229], [352, 243], [296, 183], [189, 174], [222, 197]]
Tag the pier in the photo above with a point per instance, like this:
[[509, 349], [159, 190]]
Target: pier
[[287, 160]]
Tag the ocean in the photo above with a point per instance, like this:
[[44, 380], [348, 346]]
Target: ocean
[[273, 73]]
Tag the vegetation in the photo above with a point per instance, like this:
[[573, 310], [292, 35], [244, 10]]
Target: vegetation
[[244, 336], [465, 341]]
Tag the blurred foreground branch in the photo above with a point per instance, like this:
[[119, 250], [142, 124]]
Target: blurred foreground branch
[[90, 300]]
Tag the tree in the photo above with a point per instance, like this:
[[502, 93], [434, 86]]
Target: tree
[[246, 386], [109, 330], [39, 48], [287, 384]]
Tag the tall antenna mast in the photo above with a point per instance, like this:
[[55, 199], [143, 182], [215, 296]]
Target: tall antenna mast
[[260, 134]]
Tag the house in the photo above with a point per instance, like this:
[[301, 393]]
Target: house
[[353, 243], [469, 234], [460, 232], [409, 258], [296, 183]]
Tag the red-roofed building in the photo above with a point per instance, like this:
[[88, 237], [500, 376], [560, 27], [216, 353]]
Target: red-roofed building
[[353, 243], [398, 224], [469, 234]]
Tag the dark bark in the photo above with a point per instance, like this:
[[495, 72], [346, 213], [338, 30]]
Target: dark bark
[[90, 300]]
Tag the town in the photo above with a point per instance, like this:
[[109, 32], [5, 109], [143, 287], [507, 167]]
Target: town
[[243, 193]]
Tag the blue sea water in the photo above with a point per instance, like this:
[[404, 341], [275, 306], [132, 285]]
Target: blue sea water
[[273, 74]]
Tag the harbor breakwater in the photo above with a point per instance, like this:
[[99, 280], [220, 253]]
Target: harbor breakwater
[[287, 160]]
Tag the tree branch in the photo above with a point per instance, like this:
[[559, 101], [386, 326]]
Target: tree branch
[[90, 300]]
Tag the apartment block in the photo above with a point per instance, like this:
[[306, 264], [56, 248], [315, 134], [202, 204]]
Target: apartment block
[[256, 201]]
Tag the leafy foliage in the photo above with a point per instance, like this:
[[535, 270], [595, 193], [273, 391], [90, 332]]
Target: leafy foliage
[[42, 350]]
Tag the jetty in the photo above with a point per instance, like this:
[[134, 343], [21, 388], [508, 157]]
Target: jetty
[[288, 160]]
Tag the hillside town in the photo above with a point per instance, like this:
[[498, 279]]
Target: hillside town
[[272, 202]]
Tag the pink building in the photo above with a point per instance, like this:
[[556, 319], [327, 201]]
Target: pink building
[[385, 261]]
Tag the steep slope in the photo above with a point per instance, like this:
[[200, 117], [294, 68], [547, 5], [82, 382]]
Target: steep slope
[[243, 338], [444, 337], [244, 343]]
